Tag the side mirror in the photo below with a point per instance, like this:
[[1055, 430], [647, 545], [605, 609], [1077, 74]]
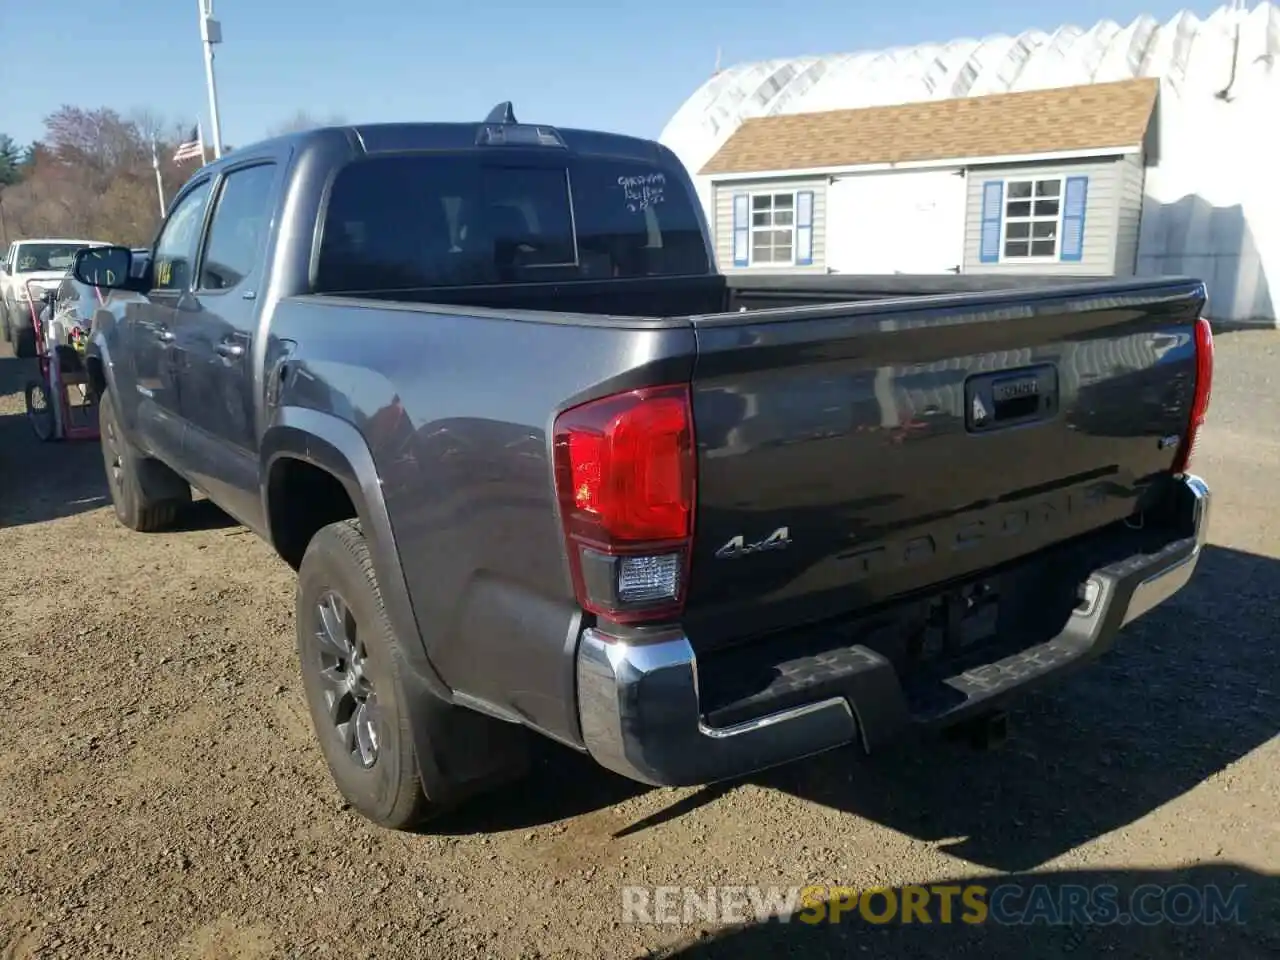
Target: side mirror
[[110, 268]]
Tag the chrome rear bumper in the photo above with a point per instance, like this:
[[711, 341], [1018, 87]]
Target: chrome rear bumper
[[639, 708]]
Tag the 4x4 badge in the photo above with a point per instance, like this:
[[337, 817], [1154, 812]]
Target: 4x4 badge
[[780, 539]]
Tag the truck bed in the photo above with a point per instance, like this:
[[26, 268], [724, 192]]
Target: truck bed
[[656, 298]]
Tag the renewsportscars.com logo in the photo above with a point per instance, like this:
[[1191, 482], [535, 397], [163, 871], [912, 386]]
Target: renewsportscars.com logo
[[1005, 904]]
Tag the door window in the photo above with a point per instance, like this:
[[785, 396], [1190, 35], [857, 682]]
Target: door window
[[176, 247], [238, 234]]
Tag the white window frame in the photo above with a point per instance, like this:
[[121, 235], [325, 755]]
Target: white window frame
[[1032, 219], [752, 229]]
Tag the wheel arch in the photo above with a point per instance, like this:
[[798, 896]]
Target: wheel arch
[[98, 366], [334, 447]]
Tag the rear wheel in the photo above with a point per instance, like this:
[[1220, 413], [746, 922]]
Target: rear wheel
[[122, 461], [349, 674]]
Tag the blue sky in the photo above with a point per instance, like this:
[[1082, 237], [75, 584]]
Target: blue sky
[[625, 66]]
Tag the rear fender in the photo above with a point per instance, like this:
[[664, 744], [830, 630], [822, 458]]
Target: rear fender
[[447, 737]]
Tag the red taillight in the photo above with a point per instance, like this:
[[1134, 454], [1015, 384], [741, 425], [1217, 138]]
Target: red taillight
[[1200, 400], [625, 479]]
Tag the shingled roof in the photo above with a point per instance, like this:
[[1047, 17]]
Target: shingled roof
[[1097, 116]]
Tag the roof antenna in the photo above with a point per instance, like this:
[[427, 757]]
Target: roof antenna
[[502, 113], [717, 69]]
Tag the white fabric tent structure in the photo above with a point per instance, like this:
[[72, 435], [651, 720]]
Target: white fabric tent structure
[[1212, 207]]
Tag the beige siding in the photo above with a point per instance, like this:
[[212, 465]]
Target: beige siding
[[722, 221], [1100, 218], [1131, 174]]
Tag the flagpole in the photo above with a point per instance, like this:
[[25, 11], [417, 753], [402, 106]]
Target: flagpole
[[155, 164], [211, 33]]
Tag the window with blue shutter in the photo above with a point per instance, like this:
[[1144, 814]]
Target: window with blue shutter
[[1074, 203], [741, 229], [804, 228], [992, 208]]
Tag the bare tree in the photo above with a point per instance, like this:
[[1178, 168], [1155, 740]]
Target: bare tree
[[91, 176]]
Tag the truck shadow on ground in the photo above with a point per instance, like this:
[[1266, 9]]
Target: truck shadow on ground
[[42, 481], [1210, 910], [1191, 688]]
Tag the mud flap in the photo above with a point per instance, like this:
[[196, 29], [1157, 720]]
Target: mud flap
[[460, 752]]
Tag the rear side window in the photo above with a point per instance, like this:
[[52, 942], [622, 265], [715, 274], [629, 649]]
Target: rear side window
[[403, 222], [238, 233]]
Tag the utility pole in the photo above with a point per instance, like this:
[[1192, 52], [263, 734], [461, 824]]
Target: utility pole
[[211, 33]]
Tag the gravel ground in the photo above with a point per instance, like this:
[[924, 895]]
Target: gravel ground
[[161, 794]]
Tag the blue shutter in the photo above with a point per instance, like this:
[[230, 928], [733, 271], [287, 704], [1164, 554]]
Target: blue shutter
[[741, 229], [992, 210], [804, 228], [1074, 202]]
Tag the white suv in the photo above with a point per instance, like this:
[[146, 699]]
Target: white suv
[[42, 262]]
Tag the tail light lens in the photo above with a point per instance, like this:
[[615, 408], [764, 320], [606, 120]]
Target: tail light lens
[[625, 480], [1200, 400]]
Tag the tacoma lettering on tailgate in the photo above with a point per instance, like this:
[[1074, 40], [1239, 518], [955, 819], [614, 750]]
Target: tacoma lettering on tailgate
[[1009, 521]]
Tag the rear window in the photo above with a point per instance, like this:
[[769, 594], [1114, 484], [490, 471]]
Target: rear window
[[400, 222]]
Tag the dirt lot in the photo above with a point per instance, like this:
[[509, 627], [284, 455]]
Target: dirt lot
[[161, 794]]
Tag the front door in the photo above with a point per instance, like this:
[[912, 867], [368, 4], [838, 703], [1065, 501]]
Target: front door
[[905, 222], [151, 320], [216, 328]]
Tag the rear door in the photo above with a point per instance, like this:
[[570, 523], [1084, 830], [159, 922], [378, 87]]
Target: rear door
[[850, 454], [216, 327], [151, 322]]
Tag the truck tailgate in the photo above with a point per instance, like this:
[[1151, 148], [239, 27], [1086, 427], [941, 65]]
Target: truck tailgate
[[849, 454]]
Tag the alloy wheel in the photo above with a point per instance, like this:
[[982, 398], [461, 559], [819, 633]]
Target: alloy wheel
[[350, 698]]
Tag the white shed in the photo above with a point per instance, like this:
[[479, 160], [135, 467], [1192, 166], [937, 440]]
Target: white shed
[[1046, 181]]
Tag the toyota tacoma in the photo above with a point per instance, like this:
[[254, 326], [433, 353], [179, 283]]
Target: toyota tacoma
[[542, 469]]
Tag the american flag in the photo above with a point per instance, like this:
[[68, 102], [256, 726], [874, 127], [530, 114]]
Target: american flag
[[191, 148]]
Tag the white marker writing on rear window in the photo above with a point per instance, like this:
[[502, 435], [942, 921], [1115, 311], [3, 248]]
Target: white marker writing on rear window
[[643, 190]]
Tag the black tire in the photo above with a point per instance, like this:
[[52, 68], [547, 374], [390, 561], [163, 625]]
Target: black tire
[[383, 784], [134, 509], [4, 323]]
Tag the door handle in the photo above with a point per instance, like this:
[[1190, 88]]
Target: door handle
[[232, 351], [165, 336]]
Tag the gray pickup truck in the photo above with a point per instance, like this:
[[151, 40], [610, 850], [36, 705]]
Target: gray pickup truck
[[542, 469]]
